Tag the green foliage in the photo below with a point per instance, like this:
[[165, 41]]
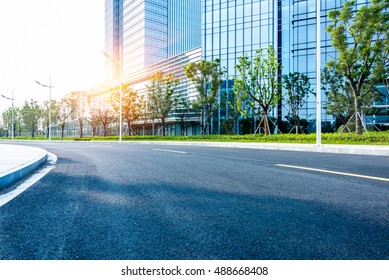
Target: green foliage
[[105, 116], [257, 83], [183, 109], [297, 87], [32, 114], [160, 95], [207, 79], [7, 120], [361, 39], [340, 99], [63, 114], [48, 110], [131, 103], [78, 102], [373, 138]]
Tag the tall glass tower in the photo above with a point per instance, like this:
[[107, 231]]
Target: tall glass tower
[[184, 26], [144, 34], [113, 37], [141, 33], [231, 29]]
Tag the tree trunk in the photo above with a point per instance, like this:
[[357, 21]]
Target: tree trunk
[[209, 126], [81, 133], [105, 129], [358, 115], [297, 124], [266, 122], [129, 127], [204, 120], [163, 126]]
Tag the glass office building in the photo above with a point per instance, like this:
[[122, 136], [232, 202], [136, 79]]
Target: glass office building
[[141, 33], [232, 28], [146, 33], [113, 37], [184, 26]]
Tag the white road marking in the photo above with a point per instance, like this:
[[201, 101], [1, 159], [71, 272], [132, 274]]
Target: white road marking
[[170, 151], [335, 172], [7, 197]]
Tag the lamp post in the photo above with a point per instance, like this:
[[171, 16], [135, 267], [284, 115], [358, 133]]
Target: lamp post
[[50, 87], [318, 74], [120, 94], [13, 112]]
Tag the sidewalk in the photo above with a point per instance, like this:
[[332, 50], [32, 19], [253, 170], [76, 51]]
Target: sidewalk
[[18, 161]]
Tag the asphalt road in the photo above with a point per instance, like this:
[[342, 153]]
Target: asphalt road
[[137, 201]]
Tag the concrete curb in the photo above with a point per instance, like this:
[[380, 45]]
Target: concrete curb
[[372, 150], [9, 177], [330, 148]]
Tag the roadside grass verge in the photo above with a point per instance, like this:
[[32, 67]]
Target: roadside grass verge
[[373, 138]]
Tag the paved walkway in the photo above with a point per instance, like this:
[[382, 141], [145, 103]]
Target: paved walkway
[[18, 161]]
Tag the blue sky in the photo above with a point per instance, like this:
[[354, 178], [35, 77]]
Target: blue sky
[[40, 38]]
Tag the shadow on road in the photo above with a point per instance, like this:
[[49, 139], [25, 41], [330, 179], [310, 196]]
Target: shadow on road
[[98, 219]]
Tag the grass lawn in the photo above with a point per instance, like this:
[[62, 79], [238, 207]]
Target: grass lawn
[[373, 138]]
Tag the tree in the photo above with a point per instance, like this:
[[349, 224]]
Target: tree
[[207, 79], [340, 99], [105, 117], [130, 105], [7, 121], [94, 121], [234, 107], [144, 113], [32, 114], [18, 118], [47, 113], [63, 114], [160, 95], [78, 103], [382, 69], [361, 40], [297, 88], [182, 109], [257, 83]]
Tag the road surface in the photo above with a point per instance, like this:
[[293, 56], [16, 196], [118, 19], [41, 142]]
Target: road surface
[[141, 201]]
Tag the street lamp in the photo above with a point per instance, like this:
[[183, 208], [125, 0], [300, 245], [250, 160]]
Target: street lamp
[[120, 93], [318, 74], [13, 109], [50, 87]]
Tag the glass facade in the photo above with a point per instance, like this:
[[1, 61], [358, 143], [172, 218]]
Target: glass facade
[[113, 37], [144, 34], [154, 30], [184, 26], [232, 28]]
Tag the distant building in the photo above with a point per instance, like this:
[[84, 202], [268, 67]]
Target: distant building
[[141, 33], [113, 37]]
